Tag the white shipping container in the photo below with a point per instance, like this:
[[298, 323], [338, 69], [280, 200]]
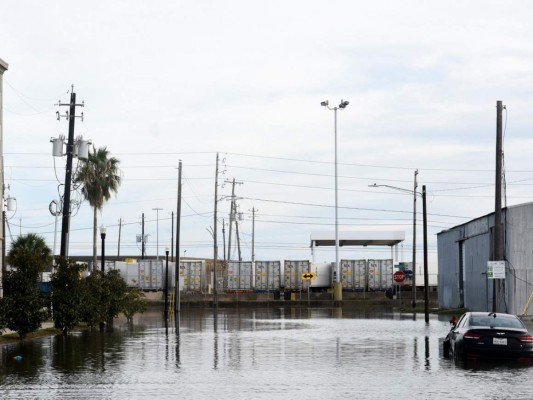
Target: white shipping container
[[293, 275], [323, 275], [151, 274], [267, 275], [379, 274], [353, 275], [373, 275], [122, 267], [387, 268], [171, 274], [191, 274], [144, 274], [132, 275], [239, 275]]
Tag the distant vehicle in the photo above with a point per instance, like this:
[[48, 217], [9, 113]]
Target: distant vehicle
[[488, 335]]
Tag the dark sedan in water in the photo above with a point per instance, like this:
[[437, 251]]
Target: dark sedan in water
[[488, 335]]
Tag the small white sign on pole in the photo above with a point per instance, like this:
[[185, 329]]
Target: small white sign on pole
[[496, 270]]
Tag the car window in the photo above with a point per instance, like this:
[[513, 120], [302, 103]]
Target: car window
[[461, 321], [496, 322]]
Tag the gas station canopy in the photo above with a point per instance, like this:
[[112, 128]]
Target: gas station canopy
[[359, 238]]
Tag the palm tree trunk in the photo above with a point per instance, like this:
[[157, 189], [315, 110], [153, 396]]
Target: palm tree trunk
[[95, 266]]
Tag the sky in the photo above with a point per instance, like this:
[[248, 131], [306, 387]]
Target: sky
[[166, 81]]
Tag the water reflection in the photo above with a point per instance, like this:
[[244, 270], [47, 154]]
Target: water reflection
[[244, 353], [24, 359], [427, 362]]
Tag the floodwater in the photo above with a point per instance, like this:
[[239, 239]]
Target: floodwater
[[267, 353]]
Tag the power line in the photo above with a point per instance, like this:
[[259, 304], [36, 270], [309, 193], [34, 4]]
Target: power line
[[346, 207]]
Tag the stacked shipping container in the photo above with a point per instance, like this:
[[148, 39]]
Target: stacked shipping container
[[263, 276]]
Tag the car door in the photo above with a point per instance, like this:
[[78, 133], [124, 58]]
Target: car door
[[456, 330]]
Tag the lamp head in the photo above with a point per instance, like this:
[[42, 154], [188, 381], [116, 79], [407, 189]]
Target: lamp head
[[344, 103], [324, 103], [103, 230]]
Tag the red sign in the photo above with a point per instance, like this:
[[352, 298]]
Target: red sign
[[399, 276]]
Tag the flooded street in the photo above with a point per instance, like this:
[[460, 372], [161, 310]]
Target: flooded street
[[289, 353]]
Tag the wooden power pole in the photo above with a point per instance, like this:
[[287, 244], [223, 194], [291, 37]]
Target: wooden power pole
[[498, 234]]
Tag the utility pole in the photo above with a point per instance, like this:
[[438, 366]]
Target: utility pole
[[253, 233], [172, 234], [224, 238], [426, 275], [237, 229], [215, 245], [231, 217], [3, 68], [177, 301], [414, 239], [498, 236], [71, 116], [119, 232], [142, 238], [232, 213]]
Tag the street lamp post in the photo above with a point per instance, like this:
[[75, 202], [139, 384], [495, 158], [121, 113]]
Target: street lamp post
[[337, 288], [426, 277], [102, 235]]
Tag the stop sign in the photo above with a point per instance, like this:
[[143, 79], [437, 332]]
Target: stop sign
[[399, 276]]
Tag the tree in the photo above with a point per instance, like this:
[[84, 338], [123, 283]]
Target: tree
[[103, 297], [134, 303], [30, 253], [22, 306], [115, 289], [93, 307], [99, 178], [67, 295]]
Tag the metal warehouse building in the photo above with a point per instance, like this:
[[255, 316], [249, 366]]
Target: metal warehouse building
[[463, 253]]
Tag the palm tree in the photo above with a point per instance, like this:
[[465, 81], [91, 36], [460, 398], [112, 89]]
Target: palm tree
[[30, 254], [99, 177]]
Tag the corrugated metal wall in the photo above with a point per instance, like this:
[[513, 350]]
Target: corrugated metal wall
[[477, 252], [519, 241], [448, 278], [476, 239]]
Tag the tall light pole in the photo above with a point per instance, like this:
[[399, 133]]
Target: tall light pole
[[414, 238], [337, 287], [102, 236], [157, 232], [424, 211], [166, 283], [215, 243]]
